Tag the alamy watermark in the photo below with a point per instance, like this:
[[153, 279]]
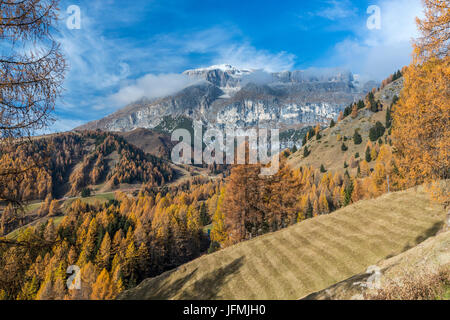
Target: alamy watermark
[[232, 146], [74, 281], [374, 21], [74, 19]]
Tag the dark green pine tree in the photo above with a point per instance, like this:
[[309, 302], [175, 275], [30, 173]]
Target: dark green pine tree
[[348, 193], [306, 152], [373, 105], [332, 123], [318, 136], [309, 210], [368, 156], [304, 141], [347, 111], [373, 136], [361, 104], [294, 149], [377, 131], [204, 216], [322, 168], [357, 139], [388, 118]]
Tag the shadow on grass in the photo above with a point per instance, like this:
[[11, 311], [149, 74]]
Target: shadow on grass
[[156, 289], [209, 285], [430, 232], [163, 288]]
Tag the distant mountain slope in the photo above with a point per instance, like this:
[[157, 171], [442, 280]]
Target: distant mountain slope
[[226, 96], [150, 141], [304, 258]]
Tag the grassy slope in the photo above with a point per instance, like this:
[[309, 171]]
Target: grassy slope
[[432, 254], [327, 150], [304, 258]]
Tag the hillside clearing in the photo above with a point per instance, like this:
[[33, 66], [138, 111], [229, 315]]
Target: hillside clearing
[[327, 151], [307, 257]]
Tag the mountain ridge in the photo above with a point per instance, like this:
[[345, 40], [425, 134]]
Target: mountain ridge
[[228, 96]]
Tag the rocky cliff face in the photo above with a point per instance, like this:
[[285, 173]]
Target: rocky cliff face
[[228, 96]]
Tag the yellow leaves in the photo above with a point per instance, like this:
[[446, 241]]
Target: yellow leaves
[[316, 211], [192, 217], [103, 288], [421, 121], [421, 132], [378, 180], [323, 204], [440, 191], [218, 232], [358, 191], [385, 155], [435, 30], [317, 129], [364, 168], [373, 154]]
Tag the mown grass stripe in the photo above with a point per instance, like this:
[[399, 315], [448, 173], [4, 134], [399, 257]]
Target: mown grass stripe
[[355, 241], [405, 213], [393, 224], [298, 264], [377, 231], [273, 275], [261, 283], [292, 272], [326, 260], [345, 249]]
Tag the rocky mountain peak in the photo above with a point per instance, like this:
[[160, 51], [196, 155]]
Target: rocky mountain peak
[[238, 97], [222, 76]]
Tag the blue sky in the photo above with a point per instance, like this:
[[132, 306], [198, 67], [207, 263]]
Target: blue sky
[[127, 48]]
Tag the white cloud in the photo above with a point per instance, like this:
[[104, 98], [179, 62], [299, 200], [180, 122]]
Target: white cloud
[[226, 45], [216, 42], [378, 53], [151, 86], [337, 10], [101, 68], [60, 125], [246, 56]]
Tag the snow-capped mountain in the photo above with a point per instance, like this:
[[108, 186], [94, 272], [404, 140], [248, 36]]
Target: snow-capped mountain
[[235, 97]]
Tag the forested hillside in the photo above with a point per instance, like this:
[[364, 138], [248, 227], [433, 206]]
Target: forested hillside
[[116, 245], [70, 165], [71, 161]]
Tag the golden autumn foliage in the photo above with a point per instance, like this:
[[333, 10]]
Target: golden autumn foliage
[[421, 123], [116, 245], [421, 132], [435, 30], [103, 288]]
